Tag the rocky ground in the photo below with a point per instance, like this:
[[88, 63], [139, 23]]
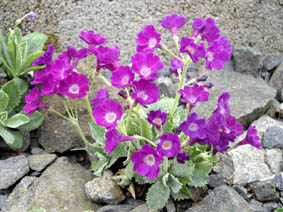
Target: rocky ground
[[51, 172]]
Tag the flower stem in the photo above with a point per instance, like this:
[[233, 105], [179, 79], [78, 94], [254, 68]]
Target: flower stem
[[51, 109], [67, 109], [88, 106], [165, 164], [76, 124], [171, 53], [93, 80], [147, 140], [89, 59]]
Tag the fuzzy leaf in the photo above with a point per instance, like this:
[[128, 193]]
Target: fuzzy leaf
[[33, 68], [94, 148], [7, 67], [3, 117], [174, 184], [4, 51], [157, 196], [23, 86], [12, 138], [36, 120], [98, 166], [168, 126], [181, 195], [165, 105], [132, 128], [119, 152], [12, 90], [200, 176], [18, 35], [139, 179], [97, 133], [180, 116], [19, 59], [129, 171], [145, 128], [17, 120], [32, 57], [35, 42], [182, 170], [165, 179], [11, 47], [4, 99], [279, 210]]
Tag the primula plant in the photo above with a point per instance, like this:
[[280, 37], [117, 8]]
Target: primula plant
[[157, 142], [17, 56]]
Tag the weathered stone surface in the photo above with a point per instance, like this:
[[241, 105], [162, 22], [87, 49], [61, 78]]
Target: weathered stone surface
[[256, 206], [102, 190], [264, 190], [271, 206], [39, 162], [249, 165], [60, 188], [272, 62], [247, 60], [26, 142], [38, 151], [116, 208], [278, 181], [273, 159], [3, 199], [170, 206], [276, 79], [272, 137], [143, 208], [225, 168], [12, 169], [246, 104], [215, 180], [222, 199], [242, 191]]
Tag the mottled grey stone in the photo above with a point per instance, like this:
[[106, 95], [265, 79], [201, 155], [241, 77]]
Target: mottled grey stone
[[278, 181], [38, 151], [264, 190], [166, 86], [170, 206], [39, 162], [276, 80], [271, 206], [272, 137], [225, 168], [3, 199], [117, 208], [59, 188], [272, 62], [143, 208], [222, 199], [273, 158], [12, 169], [256, 207], [216, 180], [102, 190], [247, 60], [242, 191], [246, 104]]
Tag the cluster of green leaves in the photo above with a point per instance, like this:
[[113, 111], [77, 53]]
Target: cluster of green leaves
[[16, 56]]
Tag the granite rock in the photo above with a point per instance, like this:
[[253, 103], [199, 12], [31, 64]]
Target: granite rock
[[272, 137], [39, 162], [272, 62], [273, 158], [264, 190]]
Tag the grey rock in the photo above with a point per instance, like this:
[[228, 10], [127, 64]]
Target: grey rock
[[225, 168], [249, 165], [256, 207], [271, 206], [39, 162], [107, 174], [247, 60], [59, 188], [3, 199], [216, 180], [143, 208], [242, 191], [272, 137], [166, 86], [38, 151], [170, 206], [222, 199], [245, 103], [273, 158], [272, 62], [276, 79], [35, 174], [264, 190], [135, 202], [274, 108], [265, 76], [278, 181], [102, 190], [12, 169], [117, 208]]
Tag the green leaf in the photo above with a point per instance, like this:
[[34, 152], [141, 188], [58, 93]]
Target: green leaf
[[4, 50], [32, 57], [180, 116], [132, 128], [33, 68], [97, 133], [3, 117], [17, 120], [145, 128], [129, 171], [19, 59], [143, 180], [279, 210], [181, 195], [165, 104], [2, 60], [22, 85], [174, 184], [36, 120], [12, 90], [200, 176], [17, 35], [4, 99], [24, 48], [182, 170], [157, 196], [12, 53], [98, 166], [12, 138], [119, 152], [168, 126], [94, 148], [35, 42], [165, 179]]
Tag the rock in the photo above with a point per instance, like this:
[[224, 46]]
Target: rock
[[256, 206], [264, 190], [249, 165], [35, 174], [273, 159], [225, 168], [170, 206], [271, 206], [166, 87], [143, 208], [272, 62], [216, 180], [222, 199], [102, 190], [276, 79], [247, 60], [278, 181], [135, 202], [59, 188], [38, 151], [274, 108], [245, 103], [242, 191], [107, 174], [3, 199], [12, 169], [117, 208], [272, 137], [39, 162]]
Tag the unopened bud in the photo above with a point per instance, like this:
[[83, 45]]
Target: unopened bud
[[123, 94], [208, 85], [202, 78]]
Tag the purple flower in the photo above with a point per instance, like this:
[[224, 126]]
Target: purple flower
[[194, 94], [92, 39], [206, 29], [76, 55], [61, 70], [169, 145], [232, 128], [146, 65], [107, 57], [33, 102], [107, 114], [75, 86], [148, 39], [101, 96], [156, 118], [146, 161], [218, 53], [175, 65], [43, 75], [222, 113], [173, 22], [145, 92], [251, 138], [193, 49], [122, 77], [182, 156], [113, 139], [49, 87], [45, 58], [194, 127]]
